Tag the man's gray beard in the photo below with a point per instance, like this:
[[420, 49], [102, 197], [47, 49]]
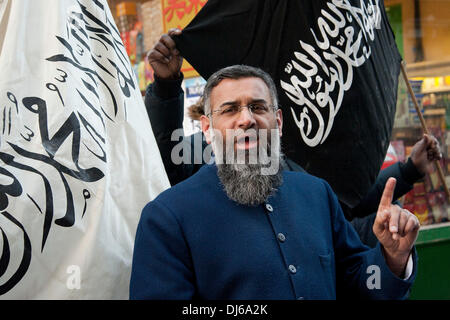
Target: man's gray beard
[[246, 183]]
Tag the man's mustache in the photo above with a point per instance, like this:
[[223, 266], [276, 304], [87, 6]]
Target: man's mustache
[[248, 135]]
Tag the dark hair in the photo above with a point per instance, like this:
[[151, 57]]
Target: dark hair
[[237, 72], [196, 110]]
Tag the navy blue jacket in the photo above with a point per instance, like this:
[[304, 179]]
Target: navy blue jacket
[[194, 242]]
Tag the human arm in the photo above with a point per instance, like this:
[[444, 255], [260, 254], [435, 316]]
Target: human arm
[[166, 117], [396, 229], [164, 101], [423, 155], [164, 98], [361, 272], [405, 173]]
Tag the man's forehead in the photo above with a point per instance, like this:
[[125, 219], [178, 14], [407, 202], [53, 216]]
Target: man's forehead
[[248, 87]]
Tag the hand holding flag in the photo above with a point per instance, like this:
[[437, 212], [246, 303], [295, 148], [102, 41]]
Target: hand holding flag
[[164, 57]]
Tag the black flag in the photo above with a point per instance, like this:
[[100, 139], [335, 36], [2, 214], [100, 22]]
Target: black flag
[[336, 66]]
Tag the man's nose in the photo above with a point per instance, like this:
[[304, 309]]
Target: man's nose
[[246, 119]]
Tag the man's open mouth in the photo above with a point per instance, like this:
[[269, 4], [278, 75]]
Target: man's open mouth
[[246, 141]]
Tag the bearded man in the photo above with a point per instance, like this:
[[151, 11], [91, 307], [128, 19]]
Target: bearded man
[[243, 228]]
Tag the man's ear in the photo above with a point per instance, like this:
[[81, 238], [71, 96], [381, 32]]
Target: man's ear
[[205, 122], [279, 118]]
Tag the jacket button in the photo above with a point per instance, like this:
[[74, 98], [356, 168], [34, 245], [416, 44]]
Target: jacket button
[[269, 207], [281, 237], [292, 269]]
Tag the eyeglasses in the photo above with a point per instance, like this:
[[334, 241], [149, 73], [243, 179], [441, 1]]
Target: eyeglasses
[[232, 110]]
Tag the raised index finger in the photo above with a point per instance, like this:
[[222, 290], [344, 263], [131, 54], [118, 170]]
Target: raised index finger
[[388, 193]]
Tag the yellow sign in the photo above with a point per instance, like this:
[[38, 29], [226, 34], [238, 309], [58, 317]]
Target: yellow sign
[[178, 14]]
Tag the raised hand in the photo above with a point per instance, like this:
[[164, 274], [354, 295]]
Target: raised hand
[[396, 229], [165, 58]]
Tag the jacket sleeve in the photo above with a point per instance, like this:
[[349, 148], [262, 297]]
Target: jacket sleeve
[[361, 272], [162, 267], [164, 101], [405, 174]]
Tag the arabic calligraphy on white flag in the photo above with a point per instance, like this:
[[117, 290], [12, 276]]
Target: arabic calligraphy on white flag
[[78, 160]]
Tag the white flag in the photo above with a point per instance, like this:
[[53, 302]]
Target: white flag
[[78, 159]]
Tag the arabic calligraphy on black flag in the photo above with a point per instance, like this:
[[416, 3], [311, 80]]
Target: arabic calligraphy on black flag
[[336, 66], [78, 160]]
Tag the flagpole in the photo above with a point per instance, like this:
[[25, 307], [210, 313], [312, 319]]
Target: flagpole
[[424, 127]]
